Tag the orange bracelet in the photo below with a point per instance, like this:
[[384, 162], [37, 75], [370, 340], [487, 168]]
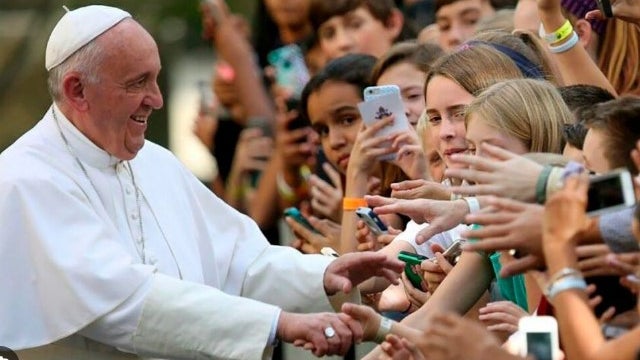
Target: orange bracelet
[[353, 203]]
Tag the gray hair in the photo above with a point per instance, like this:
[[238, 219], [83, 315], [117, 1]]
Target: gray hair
[[85, 61]]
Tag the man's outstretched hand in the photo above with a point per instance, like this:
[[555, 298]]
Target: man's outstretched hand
[[349, 270]]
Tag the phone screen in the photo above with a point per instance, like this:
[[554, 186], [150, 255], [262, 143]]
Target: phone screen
[[605, 193], [539, 345]]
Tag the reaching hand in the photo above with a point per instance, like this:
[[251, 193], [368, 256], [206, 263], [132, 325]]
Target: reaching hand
[[351, 269], [452, 337], [321, 333], [420, 189], [252, 152], [205, 127], [508, 224], [397, 348], [441, 215], [501, 173], [368, 318], [502, 316]]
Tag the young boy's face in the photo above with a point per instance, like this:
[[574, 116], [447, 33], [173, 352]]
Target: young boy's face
[[457, 21], [357, 32]]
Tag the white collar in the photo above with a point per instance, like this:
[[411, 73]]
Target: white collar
[[88, 152]]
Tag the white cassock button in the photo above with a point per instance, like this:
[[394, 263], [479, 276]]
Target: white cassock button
[[139, 240], [127, 190], [153, 260], [134, 216]]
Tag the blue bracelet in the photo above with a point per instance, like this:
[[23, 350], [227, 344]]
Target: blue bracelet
[[573, 40], [566, 283]]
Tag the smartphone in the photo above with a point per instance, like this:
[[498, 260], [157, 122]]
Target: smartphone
[[321, 159], [291, 70], [411, 259], [373, 221], [296, 215], [380, 102], [609, 192], [453, 252], [540, 337], [372, 92], [299, 122]]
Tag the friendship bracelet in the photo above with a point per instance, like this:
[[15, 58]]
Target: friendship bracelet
[[564, 284], [351, 204], [383, 329], [573, 40], [541, 184], [562, 33]]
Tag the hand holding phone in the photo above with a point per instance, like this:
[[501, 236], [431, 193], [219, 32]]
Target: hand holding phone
[[296, 215], [381, 102], [372, 220], [453, 252], [610, 192], [540, 337], [410, 260]]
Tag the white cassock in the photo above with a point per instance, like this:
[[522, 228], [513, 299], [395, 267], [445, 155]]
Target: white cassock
[[71, 249]]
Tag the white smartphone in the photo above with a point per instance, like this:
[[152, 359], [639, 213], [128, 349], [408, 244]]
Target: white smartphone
[[540, 337], [372, 220], [373, 92], [609, 192], [380, 102]]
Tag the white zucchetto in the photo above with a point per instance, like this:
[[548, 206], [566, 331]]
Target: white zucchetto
[[77, 28]]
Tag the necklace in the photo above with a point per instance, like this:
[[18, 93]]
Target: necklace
[[139, 197], [139, 249]]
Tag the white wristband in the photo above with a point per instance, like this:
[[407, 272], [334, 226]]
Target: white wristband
[[383, 329], [473, 203], [573, 40]]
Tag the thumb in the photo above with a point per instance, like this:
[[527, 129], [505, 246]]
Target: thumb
[[437, 248]]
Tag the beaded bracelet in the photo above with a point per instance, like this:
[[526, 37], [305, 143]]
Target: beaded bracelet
[[573, 40]]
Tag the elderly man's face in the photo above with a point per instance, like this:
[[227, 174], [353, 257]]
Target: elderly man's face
[[127, 92]]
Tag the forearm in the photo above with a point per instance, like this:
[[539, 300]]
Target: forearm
[[263, 208], [170, 318], [459, 291], [237, 51], [575, 64], [356, 187]]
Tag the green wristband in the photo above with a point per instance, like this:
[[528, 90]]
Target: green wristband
[[541, 185]]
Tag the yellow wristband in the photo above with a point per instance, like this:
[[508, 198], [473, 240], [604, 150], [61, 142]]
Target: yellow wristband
[[353, 203], [562, 33]]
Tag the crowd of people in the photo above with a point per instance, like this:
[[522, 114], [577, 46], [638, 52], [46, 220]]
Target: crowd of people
[[115, 251]]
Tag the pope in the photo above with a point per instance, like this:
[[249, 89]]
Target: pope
[[111, 249]]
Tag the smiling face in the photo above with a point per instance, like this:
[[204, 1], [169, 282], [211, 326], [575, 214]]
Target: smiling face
[[333, 112], [446, 103], [355, 32], [479, 132], [120, 103], [411, 83]]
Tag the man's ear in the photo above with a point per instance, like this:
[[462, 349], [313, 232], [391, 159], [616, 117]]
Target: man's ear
[[73, 91], [584, 31], [394, 24]]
